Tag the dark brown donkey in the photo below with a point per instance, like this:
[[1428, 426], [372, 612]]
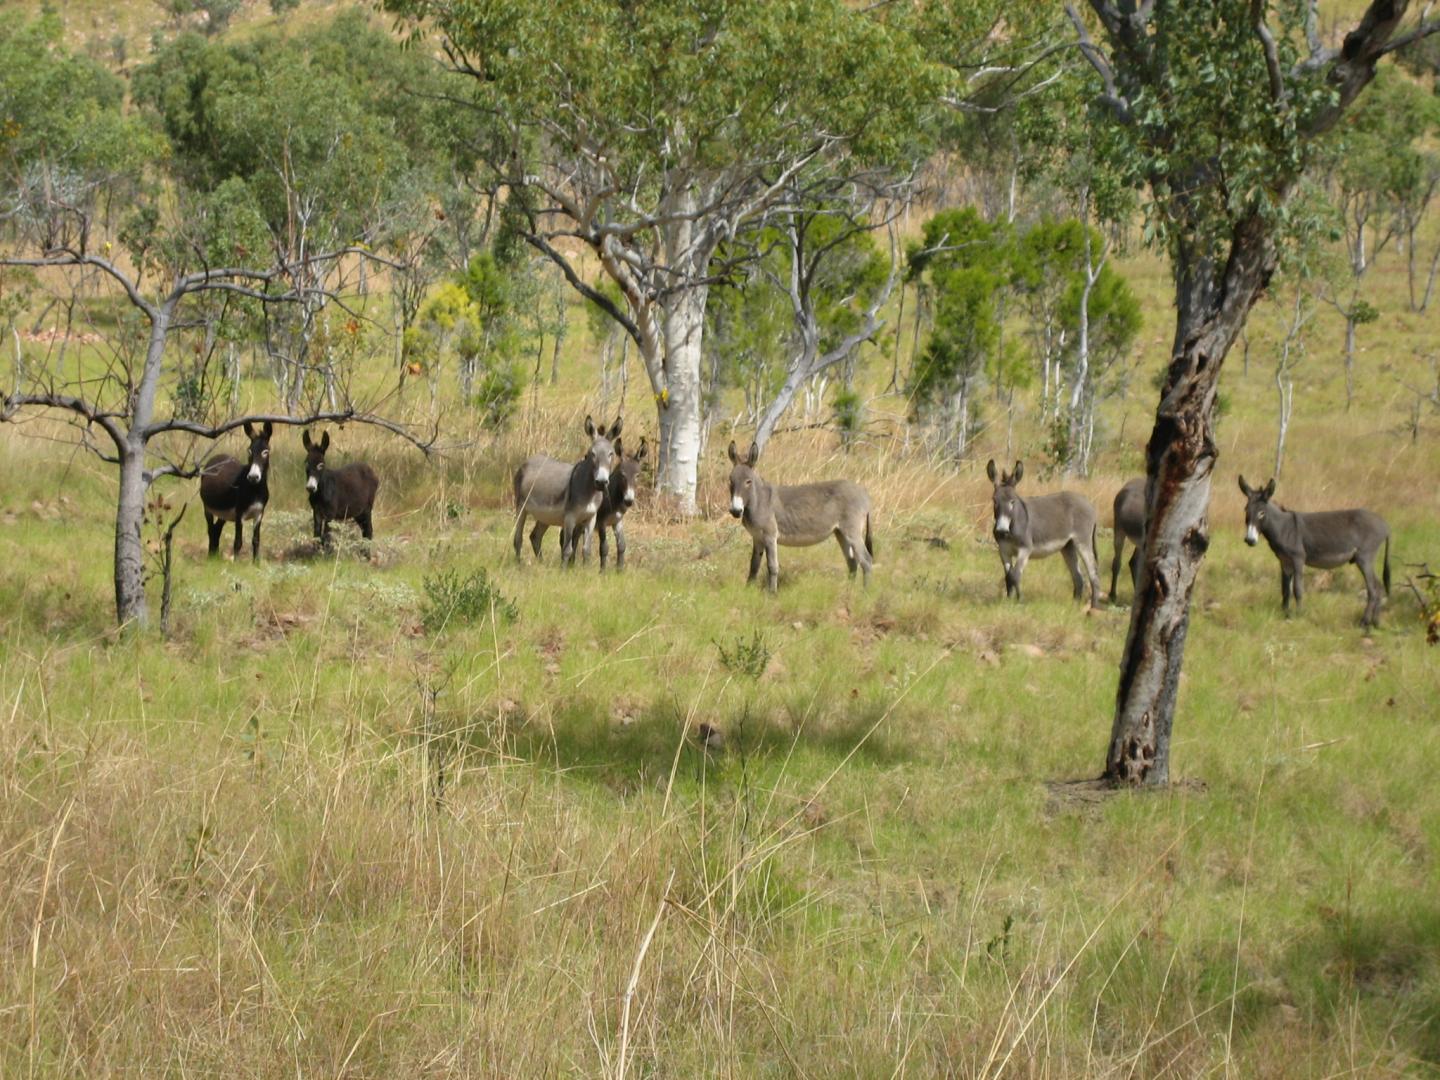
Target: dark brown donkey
[[798, 516], [1324, 539], [1129, 525], [232, 491], [343, 494]]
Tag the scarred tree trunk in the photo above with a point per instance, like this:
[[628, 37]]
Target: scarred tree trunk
[[1213, 303]]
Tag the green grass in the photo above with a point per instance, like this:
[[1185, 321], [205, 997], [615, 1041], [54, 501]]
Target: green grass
[[308, 836], [304, 835]]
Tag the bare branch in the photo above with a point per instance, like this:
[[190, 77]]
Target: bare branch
[[342, 417], [109, 421]]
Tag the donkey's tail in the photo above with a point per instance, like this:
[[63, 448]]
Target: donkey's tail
[[869, 543], [1387, 566]]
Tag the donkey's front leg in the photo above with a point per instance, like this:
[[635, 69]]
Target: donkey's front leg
[[619, 546], [1297, 585], [1013, 572], [239, 537], [772, 564], [756, 550], [254, 538], [567, 544], [604, 548]]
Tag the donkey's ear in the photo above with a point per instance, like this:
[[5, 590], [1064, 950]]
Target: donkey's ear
[[640, 454], [734, 457], [619, 450], [268, 429], [1018, 473], [589, 426], [615, 427], [1270, 488], [324, 441], [1245, 488], [305, 438], [249, 430], [990, 470], [754, 455]]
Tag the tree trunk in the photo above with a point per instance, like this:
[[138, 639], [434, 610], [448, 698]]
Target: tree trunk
[[1211, 310], [130, 605], [680, 417], [1349, 357]]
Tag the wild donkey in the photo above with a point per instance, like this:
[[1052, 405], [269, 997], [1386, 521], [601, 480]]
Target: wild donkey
[[230, 491], [1063, 522], [343, 494], [1129, 519], [619, 497], [798, 516], [1324, 540], [554, 493]]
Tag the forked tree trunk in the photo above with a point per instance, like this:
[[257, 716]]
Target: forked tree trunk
[[1212, 306]]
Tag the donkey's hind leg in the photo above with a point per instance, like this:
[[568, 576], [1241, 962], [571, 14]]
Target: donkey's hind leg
[[215, 527], [537, 536], [239, 538], [847, 548], [1371, 617], [1073, 559]]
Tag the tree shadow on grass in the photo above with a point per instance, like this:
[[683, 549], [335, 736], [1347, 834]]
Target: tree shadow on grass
[[633, 750], [1386, 957]]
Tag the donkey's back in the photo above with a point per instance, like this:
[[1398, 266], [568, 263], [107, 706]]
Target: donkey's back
[[808, 513], [1335, 537], [541, 485], [1057, 519]]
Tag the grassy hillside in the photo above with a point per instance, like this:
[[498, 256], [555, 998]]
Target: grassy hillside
[[311, 835], [305, 836]]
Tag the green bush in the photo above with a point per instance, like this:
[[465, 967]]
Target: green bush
[[455, 600], [497, 395]]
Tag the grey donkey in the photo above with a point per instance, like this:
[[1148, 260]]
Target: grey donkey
[[798, 516], [1324, 539], [619, 497], [554, 492], [1129, 521], [1041, 526]]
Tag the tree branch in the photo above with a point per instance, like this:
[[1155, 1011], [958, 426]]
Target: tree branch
[[1096, 59], [343, 416], [109, 421]]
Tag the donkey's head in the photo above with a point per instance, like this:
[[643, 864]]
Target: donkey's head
[[259, 458], [1006, 502], [604, 451], [742, 478], [1257, 502], [314, 459], [622, 481]]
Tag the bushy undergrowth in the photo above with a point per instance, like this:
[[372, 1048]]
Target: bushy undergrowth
[[454, 599]]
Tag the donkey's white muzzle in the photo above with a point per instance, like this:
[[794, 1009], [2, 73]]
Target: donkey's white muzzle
[[737, 506], [602, 477], [1002, 523], [1252, 537], [311, 484], [254, 474]]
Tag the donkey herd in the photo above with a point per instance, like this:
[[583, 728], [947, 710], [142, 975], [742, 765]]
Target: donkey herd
[[595, 492]]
